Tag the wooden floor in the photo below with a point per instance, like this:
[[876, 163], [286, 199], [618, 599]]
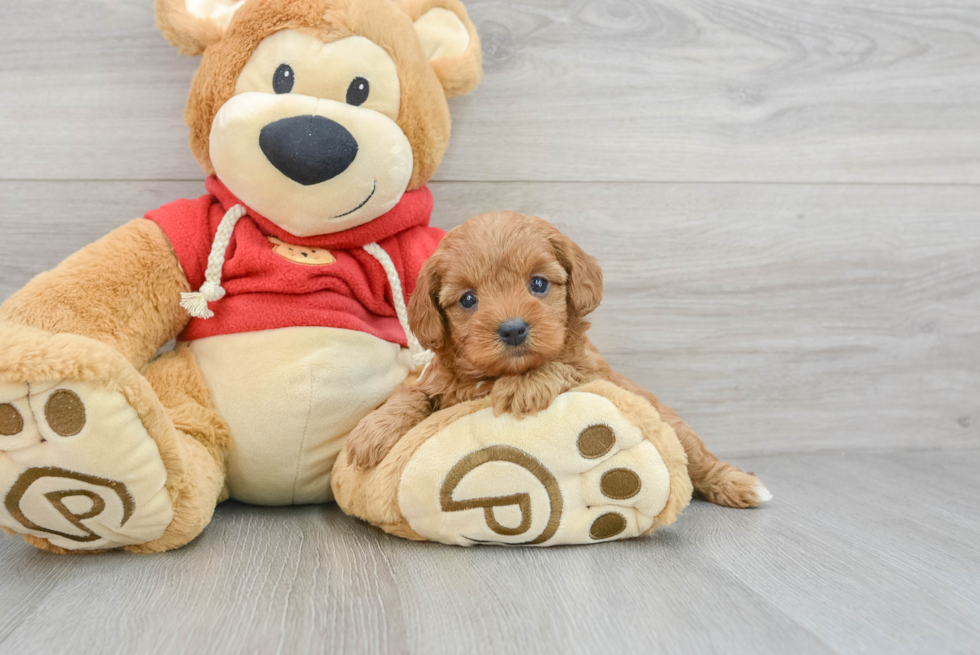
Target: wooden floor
[[871, 553], [785, 197]]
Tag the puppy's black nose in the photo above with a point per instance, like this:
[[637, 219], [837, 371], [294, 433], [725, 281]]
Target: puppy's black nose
[[308, 149], [513, 331]]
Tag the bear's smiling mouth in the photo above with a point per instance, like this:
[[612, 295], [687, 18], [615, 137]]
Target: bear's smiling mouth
[[374, 188]]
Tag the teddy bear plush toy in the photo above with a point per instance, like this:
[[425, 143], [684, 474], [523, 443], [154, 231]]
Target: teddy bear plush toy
[[318, 123]]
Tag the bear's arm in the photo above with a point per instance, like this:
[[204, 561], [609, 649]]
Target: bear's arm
[[123, 290]]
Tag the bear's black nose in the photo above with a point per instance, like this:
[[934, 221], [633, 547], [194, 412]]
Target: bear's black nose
[[513, 331], [308, 149]]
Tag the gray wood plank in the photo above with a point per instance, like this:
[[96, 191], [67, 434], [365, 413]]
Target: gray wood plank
[[311, 580], [866, 553], [640, 90], [44, 222], [871, 553], [775, 318]]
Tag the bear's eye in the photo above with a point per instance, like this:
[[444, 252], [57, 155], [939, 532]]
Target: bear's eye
[[468, 300], [539, 286], [358, 91], [283, 79]]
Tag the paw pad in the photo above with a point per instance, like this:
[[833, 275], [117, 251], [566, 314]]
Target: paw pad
[[595, 441], [607, 525], [11, 422], [620, 484], [65, 413]]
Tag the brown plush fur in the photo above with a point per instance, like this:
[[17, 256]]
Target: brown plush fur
[[203, 440], [180, 386], [458, 75], [107, 292], [496, 255], [424, 113], [189, 34]]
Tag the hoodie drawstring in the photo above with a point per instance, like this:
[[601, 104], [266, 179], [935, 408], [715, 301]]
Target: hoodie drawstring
[[196, 302], [420, 356]]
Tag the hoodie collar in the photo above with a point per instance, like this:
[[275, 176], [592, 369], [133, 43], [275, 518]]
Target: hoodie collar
[[413, 210]]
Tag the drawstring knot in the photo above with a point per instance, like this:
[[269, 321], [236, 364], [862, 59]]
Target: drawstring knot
[[196, 302]]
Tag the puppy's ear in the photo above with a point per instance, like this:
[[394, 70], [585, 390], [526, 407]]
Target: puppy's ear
[[425, 316], [193, 25], [584, 275], [450, 42]]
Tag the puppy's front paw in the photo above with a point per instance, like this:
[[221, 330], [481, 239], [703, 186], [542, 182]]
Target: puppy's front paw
[[365, 449], [520, 398], [533, 392], [373, 438], [365, 457], [529, 401], [502, 399]]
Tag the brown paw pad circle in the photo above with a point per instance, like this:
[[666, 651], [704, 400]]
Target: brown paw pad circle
[[620, 484], [65, 413], [11, 422], [595, 441], [608, 525]]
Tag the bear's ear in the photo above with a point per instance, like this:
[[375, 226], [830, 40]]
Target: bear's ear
[[450, 42], [193, 25]]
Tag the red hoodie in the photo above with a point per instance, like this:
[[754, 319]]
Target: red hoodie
[[268, 290]]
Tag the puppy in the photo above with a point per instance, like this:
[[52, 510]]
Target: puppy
[[502, 303]]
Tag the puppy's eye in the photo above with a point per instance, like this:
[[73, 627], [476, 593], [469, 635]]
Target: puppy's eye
[[539, 286], [468, 300], [283, 79], [357, 92]]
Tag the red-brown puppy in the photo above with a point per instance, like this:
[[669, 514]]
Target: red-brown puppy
[[502, 303]]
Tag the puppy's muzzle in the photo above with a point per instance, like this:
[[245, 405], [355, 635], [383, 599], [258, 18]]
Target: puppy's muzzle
[[512, 332], [308, 149]]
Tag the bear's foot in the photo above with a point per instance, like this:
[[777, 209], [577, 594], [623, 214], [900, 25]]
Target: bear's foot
[[597, 465], [78, 469]]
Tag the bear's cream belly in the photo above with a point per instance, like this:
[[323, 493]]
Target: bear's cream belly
[[290, 397]]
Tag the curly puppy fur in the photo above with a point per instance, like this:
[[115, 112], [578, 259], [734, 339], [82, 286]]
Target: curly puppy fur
[[493, 258]]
